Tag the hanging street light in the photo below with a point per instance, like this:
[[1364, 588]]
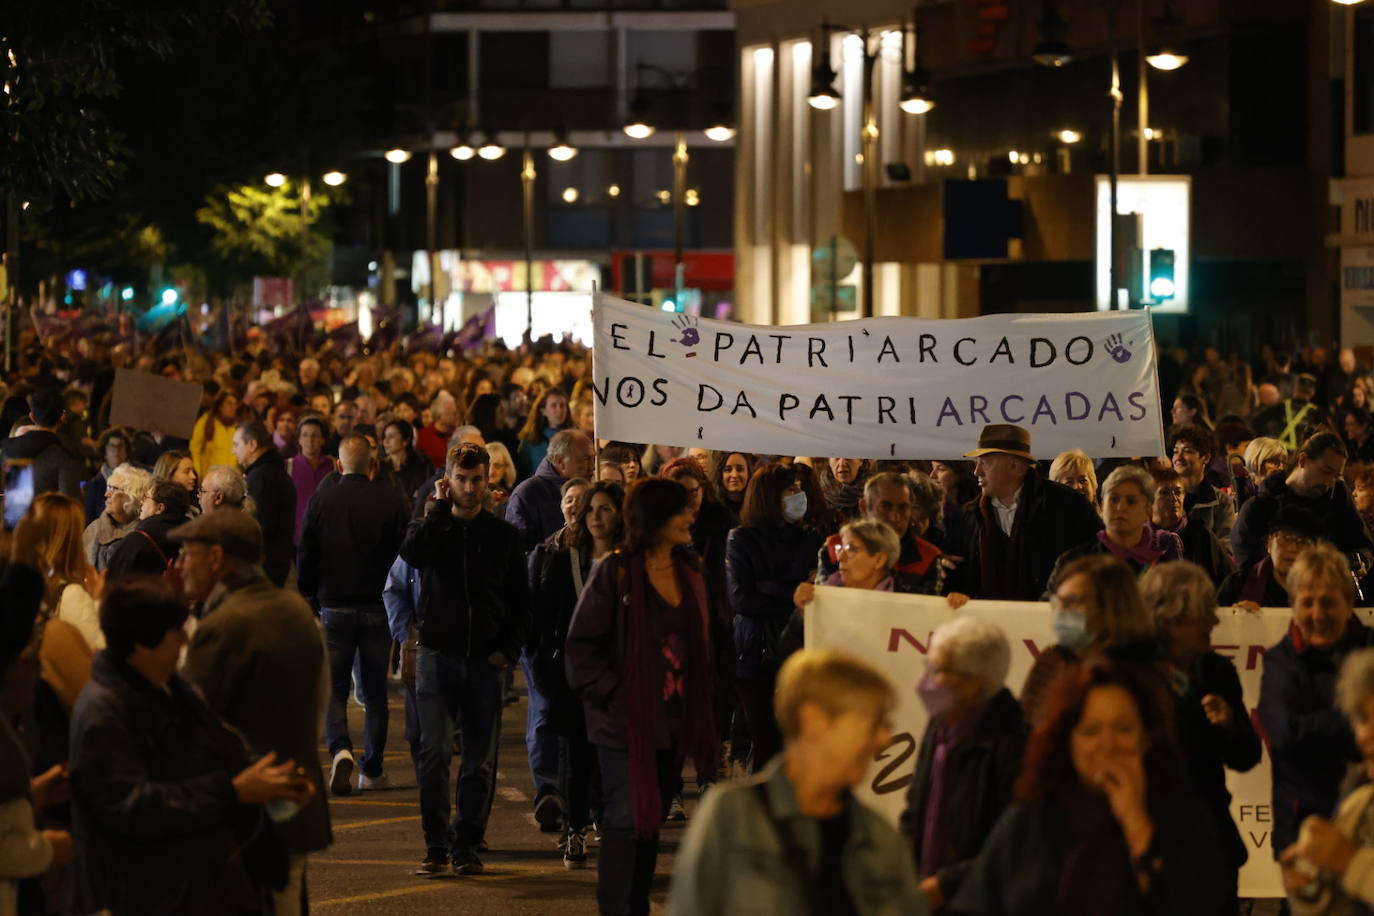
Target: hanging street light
[[397, 156], [823, 96], [334, 178], [1052, 51], [275, 179], [916, 95]]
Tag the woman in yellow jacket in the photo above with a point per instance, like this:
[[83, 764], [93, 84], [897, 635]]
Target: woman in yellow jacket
[[212, 441]]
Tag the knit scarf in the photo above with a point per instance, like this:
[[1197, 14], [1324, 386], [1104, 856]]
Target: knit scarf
[[843, 497], [1152, 547], [642, 656]]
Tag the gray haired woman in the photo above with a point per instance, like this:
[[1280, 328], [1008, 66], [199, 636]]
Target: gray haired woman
[[867, 550], [1214, 728], [124, 492], [1128, 497], [970, 753], [1330, 869]]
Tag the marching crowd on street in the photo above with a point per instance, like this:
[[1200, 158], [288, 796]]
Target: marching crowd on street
[[182, 618]]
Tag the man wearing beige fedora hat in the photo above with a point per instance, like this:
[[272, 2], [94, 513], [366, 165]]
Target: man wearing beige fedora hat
[[1019, 524]]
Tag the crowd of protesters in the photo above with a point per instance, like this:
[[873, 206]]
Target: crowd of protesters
[[180, 618]]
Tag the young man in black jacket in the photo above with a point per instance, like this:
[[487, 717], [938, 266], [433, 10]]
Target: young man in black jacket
[[473, 614]]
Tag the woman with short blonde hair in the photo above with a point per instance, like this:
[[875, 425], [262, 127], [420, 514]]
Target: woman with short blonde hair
[[1074, 469]]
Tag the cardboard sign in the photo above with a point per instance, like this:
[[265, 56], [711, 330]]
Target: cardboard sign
[[150, 402]]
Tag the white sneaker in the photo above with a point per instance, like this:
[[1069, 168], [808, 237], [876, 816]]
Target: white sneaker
[[380, 781], [341, 773]]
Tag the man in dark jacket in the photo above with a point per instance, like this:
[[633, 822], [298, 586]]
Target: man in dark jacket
[[534, 508], [1310, 741], [1314, 484], [350, 537], [1020, 524], [58, 464], [473, 614], [148, 550], [274, 495], [258, 660]]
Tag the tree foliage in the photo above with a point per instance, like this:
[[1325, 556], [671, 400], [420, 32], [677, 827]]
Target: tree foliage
[[269, 231], [60, 64]]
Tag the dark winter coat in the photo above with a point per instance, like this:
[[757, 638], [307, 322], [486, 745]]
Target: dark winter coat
[[1050, 518], [1211, 508], [474, 589], [146, 550], [258, 657], [1344, 527], [153, 800], [1310, 741], [763, 567], [535, 506], [275, 495], [351, 535], [1018, 871], [553, 597], [59, 465], [1209, 750], [979, 776]]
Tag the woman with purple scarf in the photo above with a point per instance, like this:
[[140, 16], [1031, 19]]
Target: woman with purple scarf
[[1128, 495], [639, 655], [1265, 584]]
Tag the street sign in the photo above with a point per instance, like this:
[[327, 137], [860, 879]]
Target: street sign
[[844, 299], [833, 260]]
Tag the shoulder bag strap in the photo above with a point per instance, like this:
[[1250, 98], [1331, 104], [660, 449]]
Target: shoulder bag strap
[[160, 551], [576, 557]]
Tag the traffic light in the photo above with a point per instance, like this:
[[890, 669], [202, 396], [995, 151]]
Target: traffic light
[[1162, 285]]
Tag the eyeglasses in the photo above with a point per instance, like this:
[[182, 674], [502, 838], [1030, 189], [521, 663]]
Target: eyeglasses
[[933, 670], [1289, 539], [852, 550]]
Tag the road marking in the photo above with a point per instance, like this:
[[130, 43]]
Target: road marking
[[374, 823], [511, 794], [425, 888], [359, 801]]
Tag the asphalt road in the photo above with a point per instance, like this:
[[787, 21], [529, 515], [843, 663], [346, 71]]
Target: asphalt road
[[377, 843]]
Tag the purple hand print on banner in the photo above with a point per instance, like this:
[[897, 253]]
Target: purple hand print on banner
[[1116, 349], [687, 328]]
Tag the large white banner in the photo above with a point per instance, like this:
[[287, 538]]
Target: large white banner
[[892, 632], [878, 387]]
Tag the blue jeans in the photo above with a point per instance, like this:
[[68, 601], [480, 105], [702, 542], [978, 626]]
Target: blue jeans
[[360, 633], [469, 689], [541, 741], [625, 863]]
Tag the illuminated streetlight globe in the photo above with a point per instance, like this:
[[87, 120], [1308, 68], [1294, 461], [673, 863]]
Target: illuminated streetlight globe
[[720, 133], [275, 180], [491, 151], [1166, 60], [638, 130], [397, 156], [562, 152], [463, 152], [334, 178], [1068, 135]]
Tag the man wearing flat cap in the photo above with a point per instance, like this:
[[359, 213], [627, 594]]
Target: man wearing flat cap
[[259, 658], [1019, 524]]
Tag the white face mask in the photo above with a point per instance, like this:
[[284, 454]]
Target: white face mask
[[794, 507]]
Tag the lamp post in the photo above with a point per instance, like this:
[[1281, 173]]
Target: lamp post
[[527, 176], [638, 126], [916, 99], [333, 179]]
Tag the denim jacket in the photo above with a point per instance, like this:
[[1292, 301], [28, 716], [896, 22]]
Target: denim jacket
[[733, 861]]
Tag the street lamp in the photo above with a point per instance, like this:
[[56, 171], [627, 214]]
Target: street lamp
[[275, 179], [720, 132], [397, 156], [1052, 51], [916, 95], [1069, 135], [463, 151], [334, 178], [1165, 55], [562, 150], [823, 96], [492, 149]]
